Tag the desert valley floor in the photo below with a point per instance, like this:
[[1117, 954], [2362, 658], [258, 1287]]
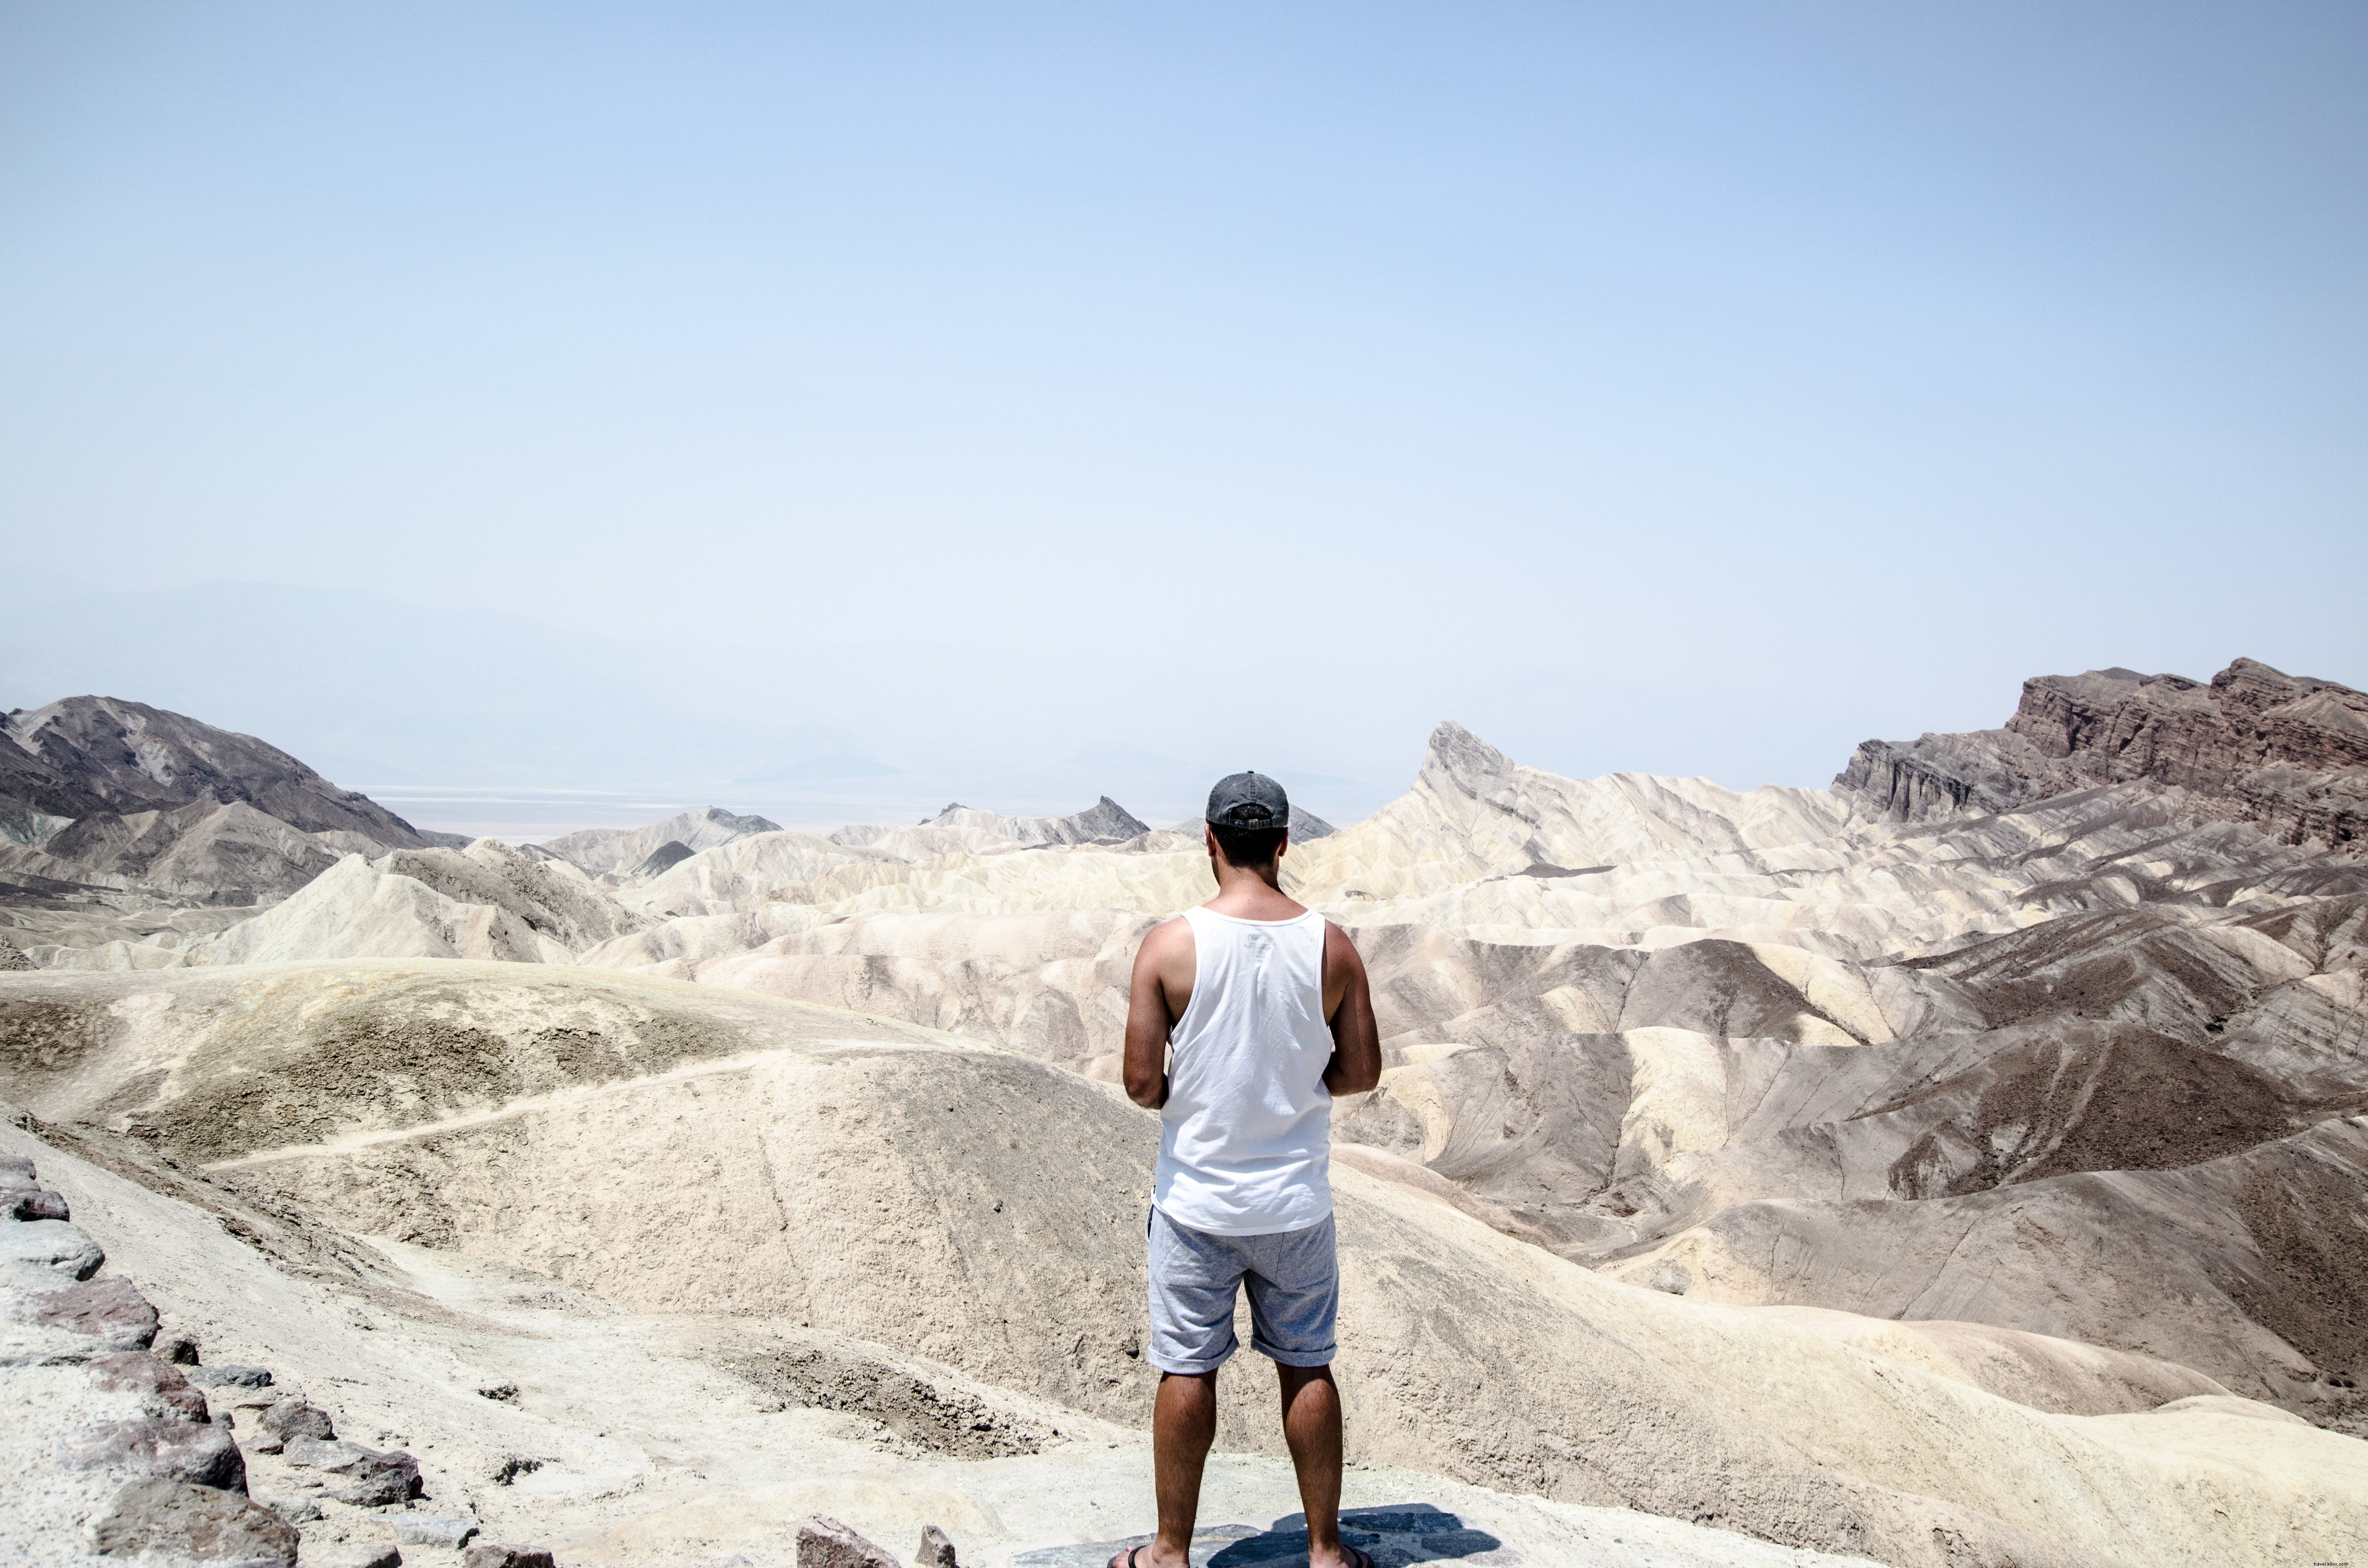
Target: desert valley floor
[[1964, 1165]]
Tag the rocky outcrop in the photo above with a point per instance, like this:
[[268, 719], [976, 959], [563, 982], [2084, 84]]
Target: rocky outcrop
[[552, 899], [120, 1445], [206, 850], [659, 861], [37, 798], [2287, 754], [602, 850], [961, 829], [114, 1449], [128, 757], [824, 1542], [1103, 822]]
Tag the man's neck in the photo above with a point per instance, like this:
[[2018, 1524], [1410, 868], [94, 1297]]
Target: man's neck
[[1252, 892]]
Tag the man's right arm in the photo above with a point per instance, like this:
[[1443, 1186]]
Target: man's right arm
[[1148, 1019]]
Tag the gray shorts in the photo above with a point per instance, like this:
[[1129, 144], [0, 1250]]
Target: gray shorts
[[1295, 1283]]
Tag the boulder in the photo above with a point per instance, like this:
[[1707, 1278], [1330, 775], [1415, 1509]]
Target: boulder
[[372, 1479], [228, 1376], [180, 1522], [491, 1554], [163, 1389], [110, 1312], [25, 1201], [396, 1480], [170, 1451], [430, 1530], [17, 1171], [293, 1417], [937, 1549], [322, 1453], [178, 1348], [47, 1252], [824, 1542]]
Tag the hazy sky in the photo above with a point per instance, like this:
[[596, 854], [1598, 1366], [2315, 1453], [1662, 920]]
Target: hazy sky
[[1690, 389]]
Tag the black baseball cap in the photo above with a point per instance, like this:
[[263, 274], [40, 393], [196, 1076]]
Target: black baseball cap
[[1249, 801]]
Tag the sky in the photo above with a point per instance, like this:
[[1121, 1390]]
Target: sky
[[639, 404]]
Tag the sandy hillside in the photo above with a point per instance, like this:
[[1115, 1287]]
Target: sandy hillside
[[972, 1207], [1968, 1162]]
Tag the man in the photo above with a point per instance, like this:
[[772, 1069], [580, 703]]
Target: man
[[1247, 1016]]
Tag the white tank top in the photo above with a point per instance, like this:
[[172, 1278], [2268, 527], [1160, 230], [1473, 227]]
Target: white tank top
[[1245, 1137]]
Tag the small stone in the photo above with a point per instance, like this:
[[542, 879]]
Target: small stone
[[161, 1385], [295, 1510], [111, 1311], [492, 1554], [29, 1202], [354, 1554], [294, 1417], [40, 1253], [172, 1450], [430, 1530], [937, 1549], [824, 1542], [17, 1171], [178, 1348], [176, 1520], [231, 1376]]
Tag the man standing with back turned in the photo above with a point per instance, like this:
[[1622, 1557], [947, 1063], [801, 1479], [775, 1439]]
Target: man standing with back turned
[[1247, 1015]]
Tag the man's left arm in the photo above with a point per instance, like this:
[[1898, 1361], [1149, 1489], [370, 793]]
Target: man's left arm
[[1356, 1064]]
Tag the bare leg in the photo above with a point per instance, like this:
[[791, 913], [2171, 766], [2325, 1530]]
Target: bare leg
[[1311, 1425], [1183, 1425]]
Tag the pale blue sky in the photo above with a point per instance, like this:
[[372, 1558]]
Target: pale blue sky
[[1689, 388]]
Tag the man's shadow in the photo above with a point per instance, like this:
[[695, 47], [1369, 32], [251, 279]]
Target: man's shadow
[[1411, 1532]]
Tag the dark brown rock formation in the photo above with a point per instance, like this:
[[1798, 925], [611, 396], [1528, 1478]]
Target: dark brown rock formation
[[2286, 753], [129, 758]]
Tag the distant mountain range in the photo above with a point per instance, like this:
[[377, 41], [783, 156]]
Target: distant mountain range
[[485, 721]]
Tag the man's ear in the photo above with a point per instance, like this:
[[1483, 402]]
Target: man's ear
[[1209, 837], [1282, 848]]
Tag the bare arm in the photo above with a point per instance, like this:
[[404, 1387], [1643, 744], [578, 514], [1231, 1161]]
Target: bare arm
[[1356, 1064], [1154, 1001]]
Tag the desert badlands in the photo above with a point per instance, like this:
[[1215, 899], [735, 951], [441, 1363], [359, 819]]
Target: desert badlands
[[1964, 1165]]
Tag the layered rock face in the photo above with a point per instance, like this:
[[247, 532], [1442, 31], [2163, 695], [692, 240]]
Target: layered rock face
[[2286, 753]]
